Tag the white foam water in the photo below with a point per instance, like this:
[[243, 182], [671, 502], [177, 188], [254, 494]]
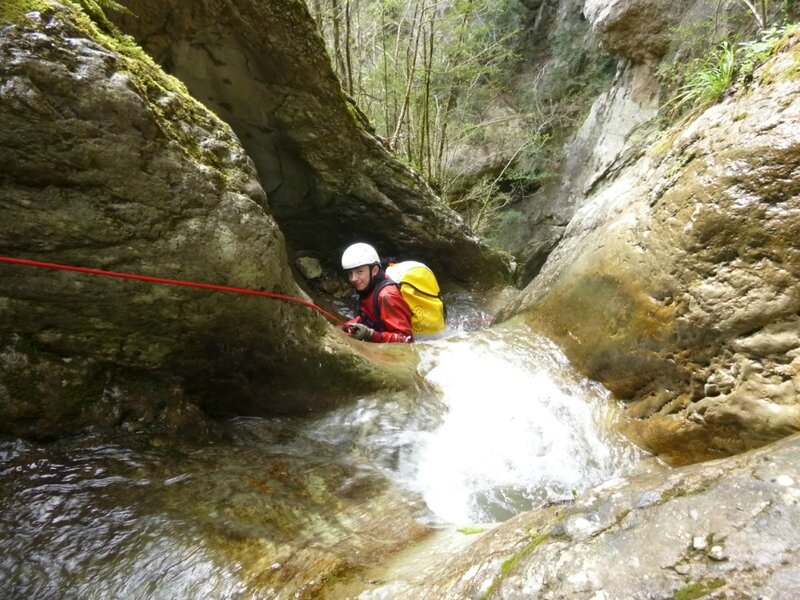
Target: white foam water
[[520, 428]]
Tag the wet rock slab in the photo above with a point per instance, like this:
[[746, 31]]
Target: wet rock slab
[[726, 527]]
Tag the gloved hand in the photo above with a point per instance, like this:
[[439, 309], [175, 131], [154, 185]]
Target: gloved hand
[[360, 331]]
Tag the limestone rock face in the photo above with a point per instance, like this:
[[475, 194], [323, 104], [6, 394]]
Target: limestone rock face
[[262, 67], [634, 29], [723, 527], [676, 284], [107, 163], [607, 141]]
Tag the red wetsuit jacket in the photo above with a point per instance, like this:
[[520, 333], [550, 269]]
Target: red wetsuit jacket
[[393, 321]]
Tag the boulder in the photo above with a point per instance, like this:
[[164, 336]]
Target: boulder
[[107, 163], [723, 527], [634, 29]]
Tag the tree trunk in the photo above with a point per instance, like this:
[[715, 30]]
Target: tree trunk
[[412, 51], [337, 41], [347, 47], [425, 141], [317, 9]]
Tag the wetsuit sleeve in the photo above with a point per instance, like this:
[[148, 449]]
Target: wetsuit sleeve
[[395, 316]]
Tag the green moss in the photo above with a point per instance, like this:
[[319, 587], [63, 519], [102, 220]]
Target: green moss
[[676, 492], [698, 589], [793, 72], [149, 80], [45, 396], [14, 11], [471, 530], [512, 562], [680, 163], [94, 8], [84, 393], [153, 85]]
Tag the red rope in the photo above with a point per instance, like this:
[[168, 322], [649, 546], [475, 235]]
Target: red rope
[[205, 286]]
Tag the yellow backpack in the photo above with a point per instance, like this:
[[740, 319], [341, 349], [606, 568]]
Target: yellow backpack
[[420, 290]]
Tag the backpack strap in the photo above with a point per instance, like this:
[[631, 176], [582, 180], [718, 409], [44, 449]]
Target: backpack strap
[[375, 301]]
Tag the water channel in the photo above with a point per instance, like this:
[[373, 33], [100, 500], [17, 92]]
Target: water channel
[[501, 424]]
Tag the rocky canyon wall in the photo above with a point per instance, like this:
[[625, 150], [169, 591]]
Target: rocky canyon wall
[[676, 281]]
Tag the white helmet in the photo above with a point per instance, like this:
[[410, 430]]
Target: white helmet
[[359, 255]]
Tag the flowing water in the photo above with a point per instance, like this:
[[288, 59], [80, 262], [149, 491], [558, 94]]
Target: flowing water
[[501, 425], [513, 427]]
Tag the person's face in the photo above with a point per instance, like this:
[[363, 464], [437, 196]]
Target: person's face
[[360, 276]]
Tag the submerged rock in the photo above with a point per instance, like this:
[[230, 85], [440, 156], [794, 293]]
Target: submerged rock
[[106, 162], [132, 519]]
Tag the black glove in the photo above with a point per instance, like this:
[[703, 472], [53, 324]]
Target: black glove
[[360, 331]]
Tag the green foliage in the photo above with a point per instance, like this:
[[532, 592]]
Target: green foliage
[[425, 72], [531, 164], [576, 67], [420, 69], [698, 589], [505, 221], [706, 80], [481, 203], [753, 53], [703, 81], [693, 40], [575, 72], [764, 11]]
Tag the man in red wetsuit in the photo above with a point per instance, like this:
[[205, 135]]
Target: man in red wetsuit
[[383, 314]]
